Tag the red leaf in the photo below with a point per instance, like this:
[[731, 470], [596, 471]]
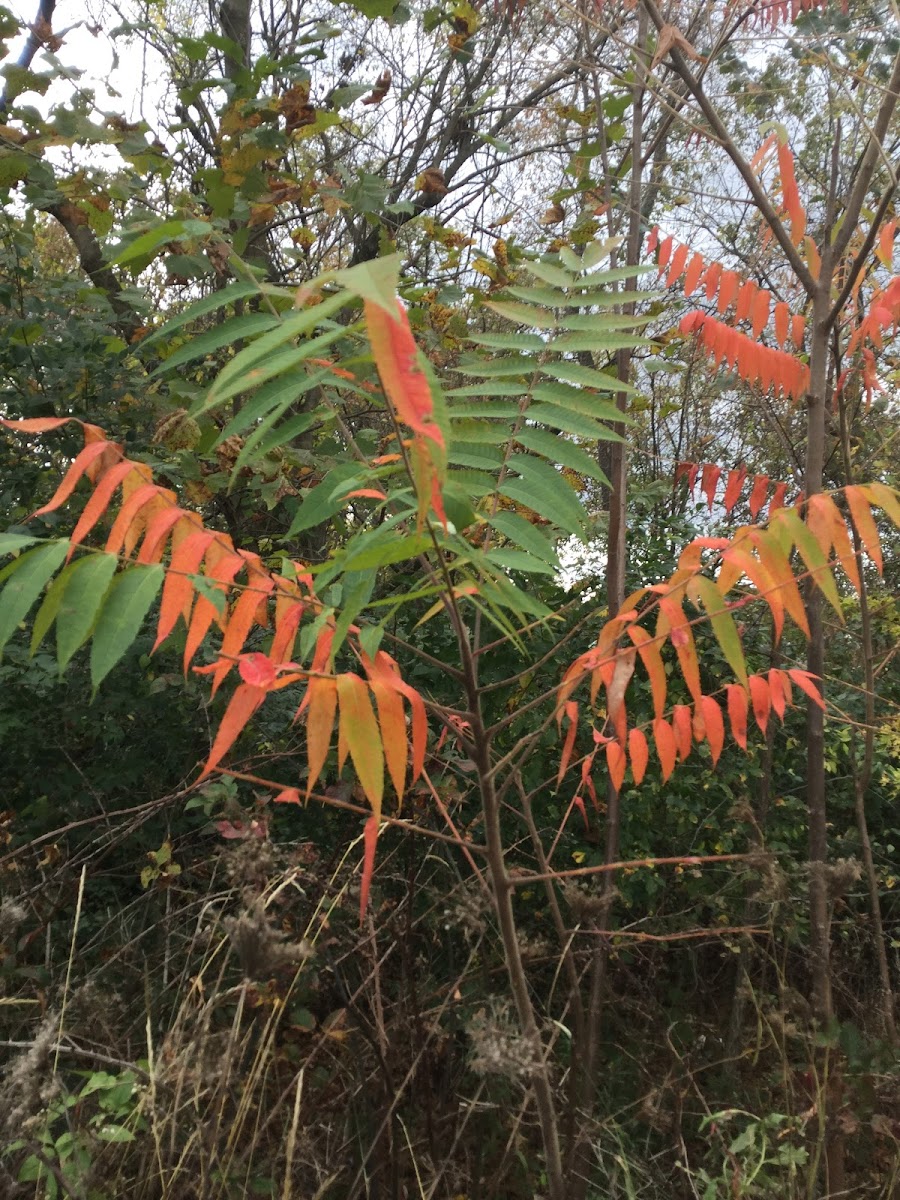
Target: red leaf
[[240, 622], [758, 494], [733, 487], [615, 763], [778, 496], [370, 841], [256, 669], [665, 746], [396, 357], [715, 726], [652, 239], [154, 544], [243, 704], [709, 481], [368, 493], [737, 713], [761, 699], [808, 683], [682, 725], [640, 755]]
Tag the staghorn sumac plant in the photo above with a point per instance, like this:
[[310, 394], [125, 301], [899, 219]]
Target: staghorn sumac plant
[[471, 489]]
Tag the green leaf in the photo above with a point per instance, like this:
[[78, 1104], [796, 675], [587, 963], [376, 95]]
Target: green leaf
[[478, 462], [553, 275], [226, 334], [722, 623], [524, 314], [169, 231], [324, 500], [586, 404], [365, 555], [114, 1133], [603, 321], [229, 295], [260, 369], [11, 542], [290, 327], [376, 280], [88, 581], [517, 364], [570, 343], [27, 582], [272, 398], [269, 437], [509, 341], [124, 609], [561, 451], [489, 391], [585, 299], [488, 433], [542, 489], [564, 419], [571, 372], [519, 560], [49, 609], [525, 535]]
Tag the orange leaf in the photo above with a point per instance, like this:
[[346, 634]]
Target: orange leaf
[[87, 456], [728, 287], [865, 524], [715, 726], [682, 726], [665, 253], [673, 621], [127, 523], [98, 502], [652, 239], [370, 841], [737, 562], [623, 669], [368, 493], [321, 700], [241, 707], [737, 713], [360, 733], [651, 657], [746, 297], [665, 746], [777, 562], [393, 732], [178, 589], [813, 258], [807, 682], [640, 755], [205, 611], [710, 280], [828, 527], [679, 258], [761, 698], [288, 796], [615, 764], [733, 487], [154, 543], [570, 711], [35, 424], [240, 622], [779, 697], [578, 802], [386, 672], [758, 494], [885, 249], [777, 500], [693, 273], [288, 614], [760, 311], [782, 322], [798, 329]]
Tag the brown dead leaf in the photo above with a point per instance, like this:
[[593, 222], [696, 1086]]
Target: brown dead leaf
[[671, 38]]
